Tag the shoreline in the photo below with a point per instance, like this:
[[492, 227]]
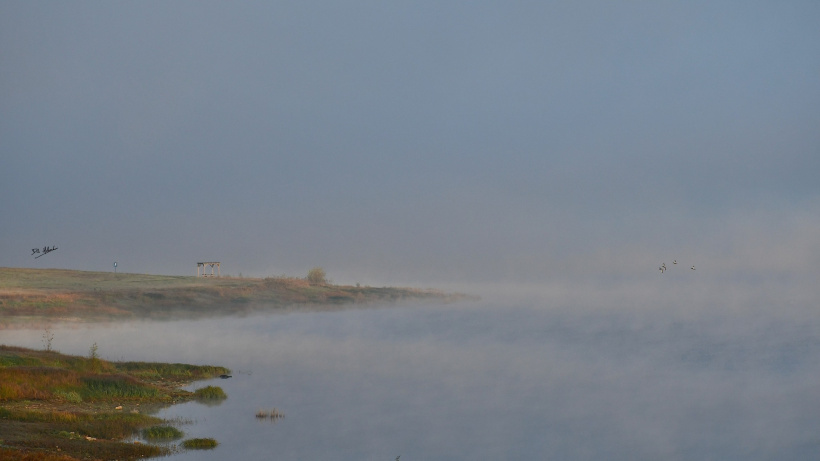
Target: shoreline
[[42, 296], [67, 407]]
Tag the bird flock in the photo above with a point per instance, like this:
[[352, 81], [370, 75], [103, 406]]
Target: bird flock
[[663, 268]]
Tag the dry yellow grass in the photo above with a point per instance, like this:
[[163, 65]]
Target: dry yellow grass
[[35, 383]]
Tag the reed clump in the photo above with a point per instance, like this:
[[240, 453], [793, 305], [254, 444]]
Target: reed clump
[[162, 433], [200, 444], [269, 414], [210, 393]]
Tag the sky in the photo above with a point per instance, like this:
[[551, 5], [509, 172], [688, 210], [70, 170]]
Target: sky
[[412, 142]]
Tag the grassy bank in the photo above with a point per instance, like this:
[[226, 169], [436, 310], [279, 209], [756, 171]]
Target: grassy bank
[[61, 407], [31, 296]]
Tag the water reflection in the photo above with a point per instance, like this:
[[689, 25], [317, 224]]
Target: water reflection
[[492, 380]]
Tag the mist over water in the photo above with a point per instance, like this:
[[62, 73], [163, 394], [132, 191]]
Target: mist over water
[[567, 147], [675, 370]]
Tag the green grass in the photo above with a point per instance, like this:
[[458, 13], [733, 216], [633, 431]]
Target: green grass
[[161, 433], [30, 374], [104, 426], [210, 393], [112, 426], [68, 396], [200, 444], [170, 370], [113, 387]]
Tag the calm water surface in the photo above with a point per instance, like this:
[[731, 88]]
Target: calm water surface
[[491, 380]]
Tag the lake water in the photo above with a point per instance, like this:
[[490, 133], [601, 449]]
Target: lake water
[[518, 377]]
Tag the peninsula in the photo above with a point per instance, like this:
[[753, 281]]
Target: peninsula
[[36, 296]]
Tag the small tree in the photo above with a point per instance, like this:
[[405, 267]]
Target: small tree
[[48, 337], [317, 276], [94, 358]]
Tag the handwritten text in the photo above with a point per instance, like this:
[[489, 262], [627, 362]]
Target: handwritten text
[[46, 250]]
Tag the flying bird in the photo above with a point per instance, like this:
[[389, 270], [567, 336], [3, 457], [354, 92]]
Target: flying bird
[[693, 268]]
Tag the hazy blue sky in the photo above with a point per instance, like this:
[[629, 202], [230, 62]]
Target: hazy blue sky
[[411, 142]]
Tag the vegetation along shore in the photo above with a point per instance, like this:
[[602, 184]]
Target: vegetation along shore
[[37, 296], [56, 407]]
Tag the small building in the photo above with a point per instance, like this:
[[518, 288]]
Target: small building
[[205, 270]]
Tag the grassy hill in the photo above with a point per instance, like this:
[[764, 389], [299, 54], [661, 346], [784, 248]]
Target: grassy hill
[[36, 295]]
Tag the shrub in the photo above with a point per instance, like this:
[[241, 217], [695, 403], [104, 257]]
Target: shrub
[[48, 337], [317, 276], [94, 359]]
